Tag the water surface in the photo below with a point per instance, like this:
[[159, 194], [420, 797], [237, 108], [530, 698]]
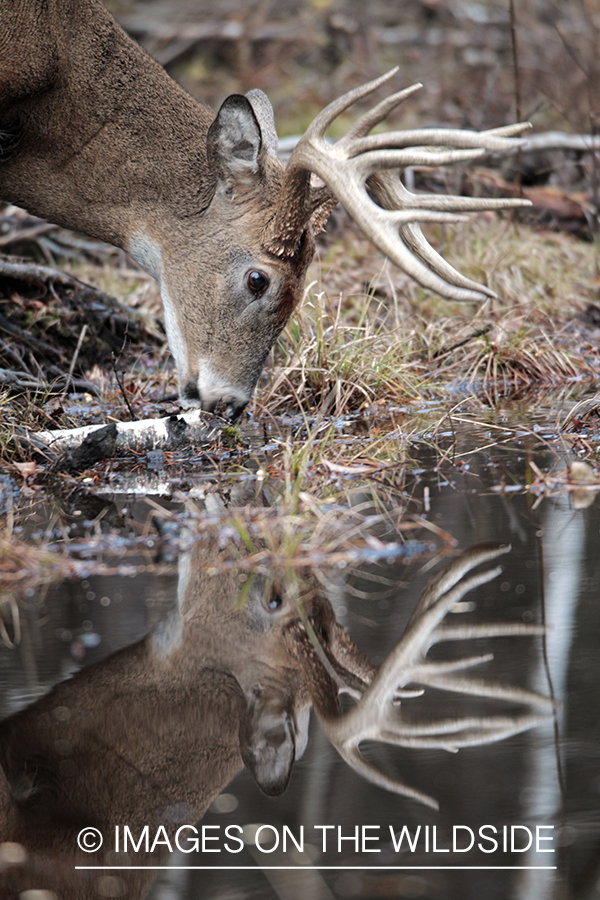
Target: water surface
[[547, 778]]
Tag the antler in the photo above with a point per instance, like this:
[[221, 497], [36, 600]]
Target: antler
[[349, 170], [377, 715]]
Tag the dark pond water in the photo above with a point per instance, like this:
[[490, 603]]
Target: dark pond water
[[148, 734]]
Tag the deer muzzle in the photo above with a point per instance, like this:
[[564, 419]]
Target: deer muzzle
[[213, 393]]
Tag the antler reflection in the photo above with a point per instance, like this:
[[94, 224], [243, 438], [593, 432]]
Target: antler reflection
[[379, 715]]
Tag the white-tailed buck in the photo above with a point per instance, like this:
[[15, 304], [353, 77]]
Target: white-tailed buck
[[149, 736], [95, 136]]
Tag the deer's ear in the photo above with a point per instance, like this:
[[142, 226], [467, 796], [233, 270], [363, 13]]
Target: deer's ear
[[268, 747], [301, 731], [266, 120], [234, 142]]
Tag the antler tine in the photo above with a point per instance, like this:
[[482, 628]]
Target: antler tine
[[416, 242], [391, 194], [476, 737], [380, 112], [363, 166], [397, 670], [323, 120], [463, 725], [510, 130], [296, 206], [493, 689], [437, 586], [481, 732], [376, 717], [455, 665], [431, 137], [352, 755], [390, 190], [384, 235], [488, 630]]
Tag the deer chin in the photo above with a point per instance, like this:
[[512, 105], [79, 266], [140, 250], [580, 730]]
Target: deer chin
[[213, 393]]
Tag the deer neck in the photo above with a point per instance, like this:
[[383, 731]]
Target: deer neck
[[108, 144]]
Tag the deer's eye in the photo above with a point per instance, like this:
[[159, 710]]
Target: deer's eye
[[257, 281], [275, 602]]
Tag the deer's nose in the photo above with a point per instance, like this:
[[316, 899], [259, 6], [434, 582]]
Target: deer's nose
[[278, 734], [230, 407], [191, 393]]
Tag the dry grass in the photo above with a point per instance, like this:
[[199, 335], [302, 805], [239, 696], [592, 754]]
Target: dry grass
[[21, 565], [365, 335], [335, 363], [24, 567], [315, 537]]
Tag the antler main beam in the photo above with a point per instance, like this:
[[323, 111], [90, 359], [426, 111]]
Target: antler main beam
[[378, 715], [355, 171]]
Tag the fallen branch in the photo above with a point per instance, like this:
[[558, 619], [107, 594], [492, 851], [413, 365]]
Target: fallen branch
[[193, 428], [26, 382], [46, 311], [34, 274], [558, 140]]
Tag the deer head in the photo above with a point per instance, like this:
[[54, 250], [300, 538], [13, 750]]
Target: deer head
[[237, 295], [274, 213]]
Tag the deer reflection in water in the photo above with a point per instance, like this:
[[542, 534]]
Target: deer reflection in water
[[152, 734]]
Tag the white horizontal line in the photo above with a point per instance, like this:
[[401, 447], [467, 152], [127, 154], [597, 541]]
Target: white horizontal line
[[315, 868]]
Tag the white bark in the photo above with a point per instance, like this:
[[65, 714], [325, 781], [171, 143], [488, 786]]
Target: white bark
[[193, 427]]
